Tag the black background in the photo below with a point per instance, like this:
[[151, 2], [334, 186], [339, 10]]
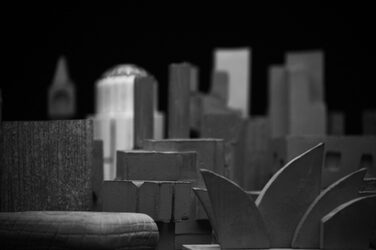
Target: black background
[[95, 39]]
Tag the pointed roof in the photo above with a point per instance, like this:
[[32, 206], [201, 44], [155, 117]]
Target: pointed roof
[[61, 72]]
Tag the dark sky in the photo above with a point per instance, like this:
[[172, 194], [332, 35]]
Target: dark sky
[[94, 40]]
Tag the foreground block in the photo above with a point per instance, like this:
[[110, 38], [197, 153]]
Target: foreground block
[[77, 230], [46, 165], [164, 201]]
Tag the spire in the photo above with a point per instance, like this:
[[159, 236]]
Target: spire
[[61, 73]]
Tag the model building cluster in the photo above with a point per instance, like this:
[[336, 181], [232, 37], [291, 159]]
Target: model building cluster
[[203, 175]]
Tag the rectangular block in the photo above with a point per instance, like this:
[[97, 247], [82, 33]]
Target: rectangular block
[[342, 155], [203, 247], [278, 100], [120, 196], [258, 156], [193, 227], [237, 63], [220, 86], [143, 109], [154, 165], [183, 197], [201, 104], [336, 123], [369, 122], [178, 102], [313, 63], [156, 200], [209, 152], [305, 117], [189, 239], [97, 174], [226, 126], [46, 165], [164, 201], [166, 236]]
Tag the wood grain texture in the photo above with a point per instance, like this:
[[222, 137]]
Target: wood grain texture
[[178, 106], [143, 109], [46, 165], [164, 201]]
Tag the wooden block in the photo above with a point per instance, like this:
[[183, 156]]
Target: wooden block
[[46, 165], [61, 94], [165, 201], [288, 194], [183, 197], [257, 169], [220, 86], [239, 226], [195, 110], [193, 227], [178, 107], [161, 200], [143, 109], [189, 239], [237, 63], [97, 174], [305, 117], [336, 123], [166, 236], [313, 63], [154, 165], [209, 152], [104, 130], [155, 199], [194, 79], [307, 233], [120, 196], [343, 155], [226, 126], [278, 100], [202, 247], [201, 104], [369, 122], [350, 225], [209, 156]]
